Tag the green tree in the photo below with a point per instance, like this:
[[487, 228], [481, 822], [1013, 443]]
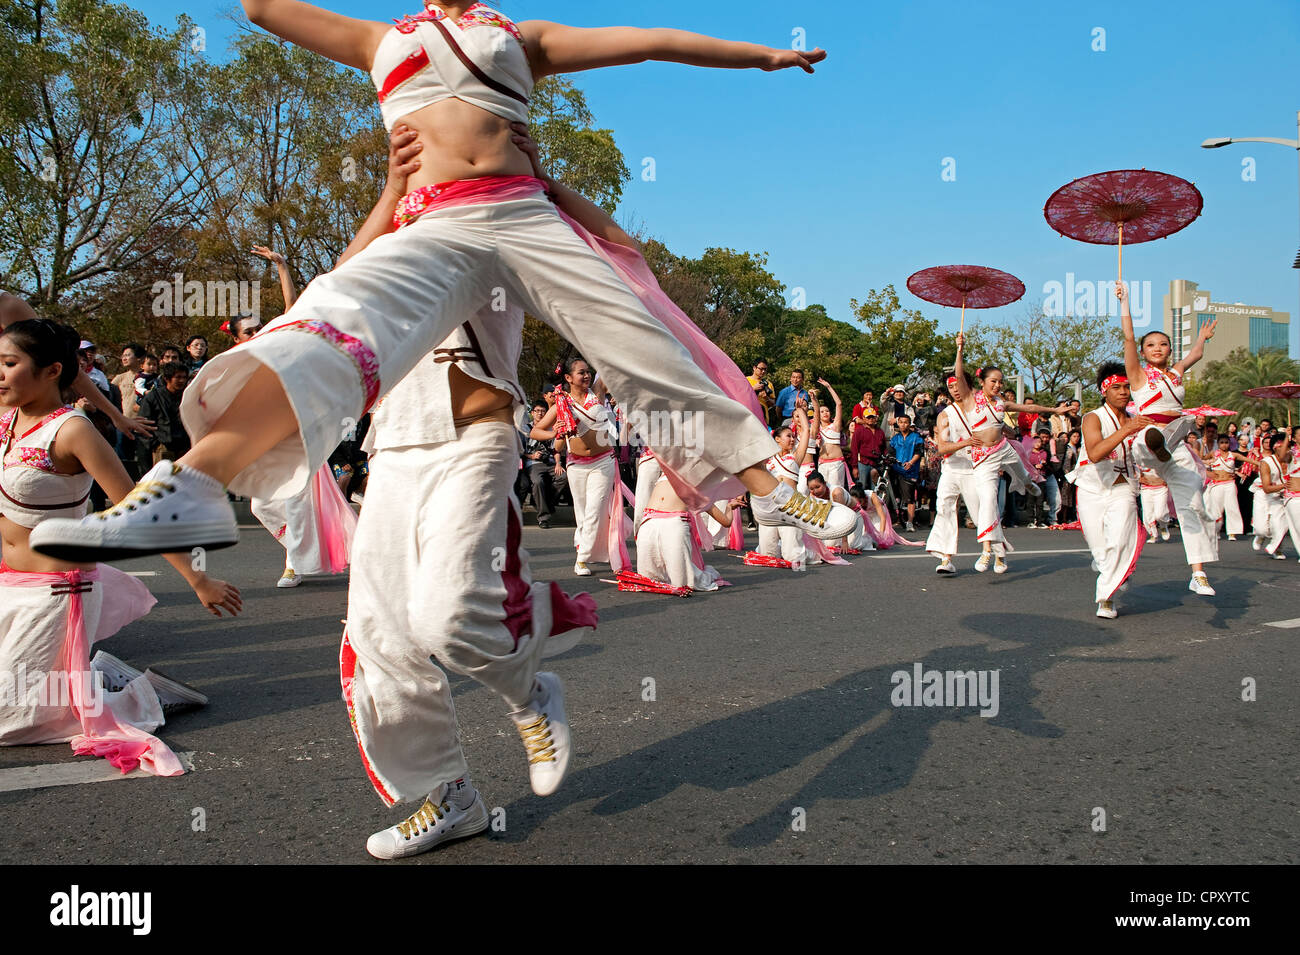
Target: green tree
[[900, 341], [1051, 351], [1221, 383]]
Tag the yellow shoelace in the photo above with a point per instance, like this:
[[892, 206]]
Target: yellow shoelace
[[424, 817], [537, 740], [140, 494], [808, 509]]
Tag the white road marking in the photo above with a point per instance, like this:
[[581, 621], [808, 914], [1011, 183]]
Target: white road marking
[[1012, 556], [1285, 624], [142, 573], [71, 774]]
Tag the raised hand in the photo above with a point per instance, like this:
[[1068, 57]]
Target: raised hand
[[785, 59], [267, 254]]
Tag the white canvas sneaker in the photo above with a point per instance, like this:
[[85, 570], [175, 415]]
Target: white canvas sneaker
[[581, 570], [999, 564], [1106, 608], [1200, 584], [982, 564], [824, 520], [175, 696], [288, 579], [946, 567], [115, 673], [435, 822], [544, 729], [170, 509]]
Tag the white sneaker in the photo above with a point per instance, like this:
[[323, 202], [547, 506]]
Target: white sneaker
[[1232, 537], [1152, 539], [1200, 584], [170, 509], [544, 729], [824, 520], [999, 564], [909, 528], [983, 563], [946, 567], [1278, 556], [1164, 532], [1256, 543], [116, 674], [435, 822], [288, 579], [1106, 608], [581, 569], [175, 696]]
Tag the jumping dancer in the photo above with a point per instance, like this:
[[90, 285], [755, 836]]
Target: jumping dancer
[[51, 612], [444, 453], [266, 414], [1107, 482], [956, 480], [1158, 393], [1221, 487], [1154, 494], [831, 461], [981, 415]]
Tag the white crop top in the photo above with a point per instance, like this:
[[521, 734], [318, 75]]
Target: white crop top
[[428, 57], [31, 490], [1159, 393]]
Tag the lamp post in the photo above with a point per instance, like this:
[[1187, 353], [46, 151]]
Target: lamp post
[[1293, 143]]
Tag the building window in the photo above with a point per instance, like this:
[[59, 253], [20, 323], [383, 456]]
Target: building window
[[1266, 333]]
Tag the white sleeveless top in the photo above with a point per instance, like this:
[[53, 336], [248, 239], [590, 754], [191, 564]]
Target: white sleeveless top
[[1159, 393], [957, 431], [428, 57], [31, 490], [782, 467], [1100, 476]]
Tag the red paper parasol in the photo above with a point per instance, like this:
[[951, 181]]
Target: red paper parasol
[[1133, 205], [1208, 412], [975, 286], [1283, 392]]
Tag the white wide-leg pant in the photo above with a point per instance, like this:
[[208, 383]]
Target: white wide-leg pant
[[784, 542], [1186, 486], [1113, 533], [1259, 512], [1279, 523], [591, 485], [355, 332], [1221, 505], [1155, 507], [954, 482], [429, 582], [988, 516], [664, 553], [1292, 508], [836, 473]]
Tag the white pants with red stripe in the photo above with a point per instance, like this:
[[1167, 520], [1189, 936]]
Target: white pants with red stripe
[[988, 516], [1186, 486], [1110, 526], [1221, 505], [431, 579], [1155, 507], [591, 485], [954, 482]]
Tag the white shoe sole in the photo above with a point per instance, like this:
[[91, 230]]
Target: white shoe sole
[[83, 543]]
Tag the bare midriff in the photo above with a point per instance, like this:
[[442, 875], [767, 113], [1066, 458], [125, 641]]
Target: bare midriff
[[18, 556], [473, 400], [462, 141]]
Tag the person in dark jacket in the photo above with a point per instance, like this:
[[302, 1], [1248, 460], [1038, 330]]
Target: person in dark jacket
[[162, 404]]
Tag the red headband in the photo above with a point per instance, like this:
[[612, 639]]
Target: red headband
[[952, 380], [1112, 381]]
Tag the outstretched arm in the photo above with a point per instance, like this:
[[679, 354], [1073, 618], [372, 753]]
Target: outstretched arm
[[131, 427], [1132, 361], [556, 48], [287, 288], [959, 370], [801, 419], [1198, 350], [839, 405], [345, 40]]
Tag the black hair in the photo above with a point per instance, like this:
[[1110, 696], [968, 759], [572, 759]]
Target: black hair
[[1155, 331], [48, 343], [175, 348], [171, 369], [148, 356], [1275, 439], [857, 491], [135, 347], [195, 338], [796, 371], [1224, 437], [781, 430], [816, 474], [762, 361], [568, 363], [984, 372], [1107, 369]]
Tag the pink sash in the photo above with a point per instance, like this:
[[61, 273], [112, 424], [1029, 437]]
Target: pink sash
[[336, 521]]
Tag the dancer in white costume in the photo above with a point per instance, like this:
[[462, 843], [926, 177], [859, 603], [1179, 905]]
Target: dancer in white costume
[[787, 466], [980, 415], [587, 457], [265, 415], [1158, 393], [667, 541], [860, 539], [1221, 487], [1107, 483], [1154, 494], [1291, 497], [831, 461], [956, 480], [51, 612], [443, 455], [1273, 486]]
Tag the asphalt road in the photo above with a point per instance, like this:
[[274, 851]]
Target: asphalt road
[[771, 736]]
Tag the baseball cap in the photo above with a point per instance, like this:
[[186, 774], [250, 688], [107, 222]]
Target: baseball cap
[[85, 344]]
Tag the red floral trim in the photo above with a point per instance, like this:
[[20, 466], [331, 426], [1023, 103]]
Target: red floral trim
[[347, 676], [354, 348]]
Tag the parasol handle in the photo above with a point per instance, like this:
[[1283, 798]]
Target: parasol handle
[[1121, 252], [962, 331]]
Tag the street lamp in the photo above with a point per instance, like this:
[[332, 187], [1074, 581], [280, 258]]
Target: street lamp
[[1293, 143]]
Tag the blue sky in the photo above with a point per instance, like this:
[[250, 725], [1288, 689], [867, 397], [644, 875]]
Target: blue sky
[[838, 176]]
